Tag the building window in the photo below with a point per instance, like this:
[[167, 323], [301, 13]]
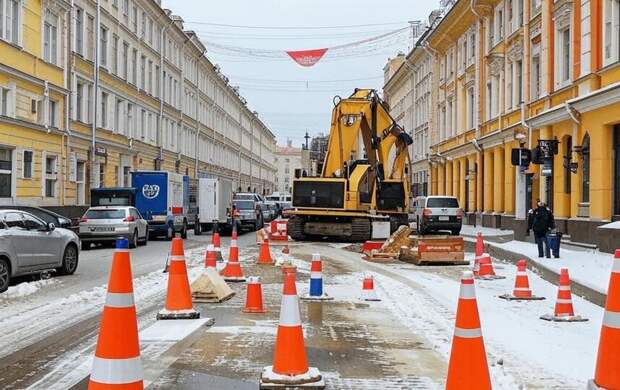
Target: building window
[[157, 81], [9, 21], [79, 95], [134, 19], [143, 124], [79, 31], [90, 36], [50, 176], [52, 113], [115, 54], [50, 38], [489, 100], [134, 67], [27, 165], [125, 61], [129, 125], [142, 72], [6, 172], [535, 77], [103, 46], [564, 57], [118, 112], [149, 79], [104, 110], [611, 52], [519, 82], [471, 108], [5, 103], [536, 7]]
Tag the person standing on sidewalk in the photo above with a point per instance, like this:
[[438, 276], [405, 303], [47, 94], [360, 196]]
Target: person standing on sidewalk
[[541, 222]]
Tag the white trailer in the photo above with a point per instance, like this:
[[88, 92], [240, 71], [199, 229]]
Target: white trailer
[[214, 203]]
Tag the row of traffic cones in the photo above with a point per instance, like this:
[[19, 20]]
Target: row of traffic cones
[[564, 312]]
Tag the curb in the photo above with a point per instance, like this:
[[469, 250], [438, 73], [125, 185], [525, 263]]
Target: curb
[[547, 274]]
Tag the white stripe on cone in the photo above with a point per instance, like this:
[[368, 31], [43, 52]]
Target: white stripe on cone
[[611, 319], [116, 371], [119, 300], [289, 311], [468, 333]]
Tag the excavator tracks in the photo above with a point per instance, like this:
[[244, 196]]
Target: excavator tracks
[[361, 229], [296, 228]]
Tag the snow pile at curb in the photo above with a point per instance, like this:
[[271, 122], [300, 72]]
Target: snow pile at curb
[[25, 289]]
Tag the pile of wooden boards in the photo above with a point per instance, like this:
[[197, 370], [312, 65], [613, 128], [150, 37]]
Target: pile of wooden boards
[[210, 287], [421, 250]]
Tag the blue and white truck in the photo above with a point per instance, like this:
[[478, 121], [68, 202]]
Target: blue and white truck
[[162, 201]]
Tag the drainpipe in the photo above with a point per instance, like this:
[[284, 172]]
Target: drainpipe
[[68, 99], [93, 145], [197, 114], [161, 88], [525, 124]]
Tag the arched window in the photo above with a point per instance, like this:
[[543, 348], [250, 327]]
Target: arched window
[[585, 183]]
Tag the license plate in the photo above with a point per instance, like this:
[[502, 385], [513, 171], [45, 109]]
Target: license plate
[[104, 229], [444, 218]]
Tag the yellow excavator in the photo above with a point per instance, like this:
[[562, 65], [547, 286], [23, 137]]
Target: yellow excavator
[[363, 189]]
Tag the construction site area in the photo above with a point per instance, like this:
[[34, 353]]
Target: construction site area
[[409, 312]]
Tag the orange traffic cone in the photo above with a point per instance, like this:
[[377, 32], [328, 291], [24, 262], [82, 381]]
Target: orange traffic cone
[[486, 270], [179, 297], [232, 272], [290, 364], [368, 289], [117, 357], [210, 258], [607, 374], [254, 296], [264, 254], [217, 244], [522, 289], [564, 311], [468, 367]]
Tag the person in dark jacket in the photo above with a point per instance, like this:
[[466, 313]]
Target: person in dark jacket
[[541, 222]]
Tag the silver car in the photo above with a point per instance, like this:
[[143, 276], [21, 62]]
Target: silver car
[[107, 223], [437, 212], [28, 246]]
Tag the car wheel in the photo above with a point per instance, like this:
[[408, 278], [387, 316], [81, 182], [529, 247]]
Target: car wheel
[[85, 246], [69, 261], [5, 275], [133, 240], [197, 228], [170, 233], [184, 231]]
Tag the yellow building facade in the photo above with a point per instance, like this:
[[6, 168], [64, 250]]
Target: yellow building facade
[[522, 74], [90, 91]]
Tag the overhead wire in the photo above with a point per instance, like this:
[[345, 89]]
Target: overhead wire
[[294, 27]]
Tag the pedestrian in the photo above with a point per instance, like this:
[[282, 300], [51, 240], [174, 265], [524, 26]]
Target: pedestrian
[[541, 222]]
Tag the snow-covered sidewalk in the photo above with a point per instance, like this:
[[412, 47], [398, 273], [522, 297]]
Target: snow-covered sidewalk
[[590, 268]]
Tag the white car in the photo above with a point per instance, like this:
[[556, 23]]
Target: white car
[[28, 245], [435, 213], [107, 223]]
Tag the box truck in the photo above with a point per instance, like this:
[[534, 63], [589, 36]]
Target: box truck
[[160, 198], [214, 203]]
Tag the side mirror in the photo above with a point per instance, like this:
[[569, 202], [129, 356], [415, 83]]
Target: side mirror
[[51, 227]]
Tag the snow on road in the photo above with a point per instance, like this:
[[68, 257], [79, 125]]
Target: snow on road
[[533, 353], [45, 317], [24, 289]]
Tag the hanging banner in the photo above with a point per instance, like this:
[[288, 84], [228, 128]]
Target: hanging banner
[[307, 57]]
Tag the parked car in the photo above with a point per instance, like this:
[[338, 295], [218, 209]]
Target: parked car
[[47, 216], [106, 224], [249, 214], [30, 245], [434, 213]]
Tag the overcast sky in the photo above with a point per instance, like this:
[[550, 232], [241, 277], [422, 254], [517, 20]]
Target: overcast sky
[[291, 99]]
